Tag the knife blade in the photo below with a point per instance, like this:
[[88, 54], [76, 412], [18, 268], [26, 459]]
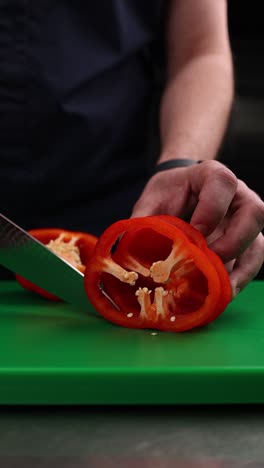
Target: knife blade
[[26, 256]]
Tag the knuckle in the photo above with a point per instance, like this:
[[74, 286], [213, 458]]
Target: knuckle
[[227, 176], [255, 204], [222, 172], [259, 212]]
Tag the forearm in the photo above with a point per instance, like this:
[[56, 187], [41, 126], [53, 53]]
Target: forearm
[[195, 108]]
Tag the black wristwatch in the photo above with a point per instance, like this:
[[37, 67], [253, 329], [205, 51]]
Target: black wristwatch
[[172, 163]]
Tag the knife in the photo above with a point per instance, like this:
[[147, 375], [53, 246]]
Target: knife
[[26, 256]]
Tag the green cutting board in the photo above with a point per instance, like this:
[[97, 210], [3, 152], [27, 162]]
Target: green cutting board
[[51, 353]]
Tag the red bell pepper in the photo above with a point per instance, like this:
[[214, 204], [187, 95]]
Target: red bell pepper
[[74, 247], [156, 272]]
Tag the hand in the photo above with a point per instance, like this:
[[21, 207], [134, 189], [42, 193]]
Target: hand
[[227, 212]]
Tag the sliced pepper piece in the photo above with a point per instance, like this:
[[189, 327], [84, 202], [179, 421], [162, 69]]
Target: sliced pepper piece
[[74, 247], [148, 273]]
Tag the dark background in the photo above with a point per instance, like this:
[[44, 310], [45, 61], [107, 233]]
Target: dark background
[[243, 147]]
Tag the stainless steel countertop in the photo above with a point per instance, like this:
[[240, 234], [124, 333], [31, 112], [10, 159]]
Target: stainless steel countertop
[[140, 437]]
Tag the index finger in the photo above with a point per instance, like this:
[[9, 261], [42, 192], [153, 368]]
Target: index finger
[[214, 186], [245, 224]]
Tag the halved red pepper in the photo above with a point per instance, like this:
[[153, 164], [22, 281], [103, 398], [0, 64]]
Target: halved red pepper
[[156, 272], [74, 247]]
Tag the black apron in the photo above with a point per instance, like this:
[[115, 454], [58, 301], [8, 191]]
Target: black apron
[[76, 85]]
